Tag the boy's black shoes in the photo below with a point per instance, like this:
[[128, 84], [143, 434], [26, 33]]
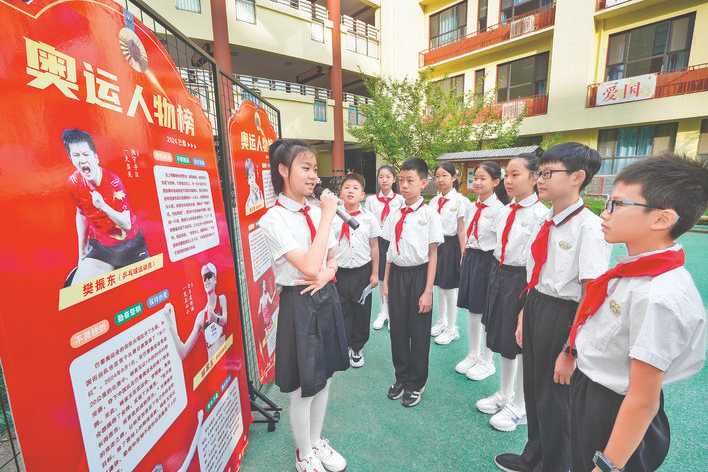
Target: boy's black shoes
[[511, 463], [395, 391]]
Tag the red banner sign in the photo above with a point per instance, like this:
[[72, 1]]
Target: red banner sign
[[250, 135], [120, 327]]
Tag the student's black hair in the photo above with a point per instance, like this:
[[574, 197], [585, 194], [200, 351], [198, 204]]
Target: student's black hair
[[575, 157], [417, 165], [73, 136], [530, 160], [389, 168], [494, 171], [356, 178], [284, 151], [450, 169], [671, 182]]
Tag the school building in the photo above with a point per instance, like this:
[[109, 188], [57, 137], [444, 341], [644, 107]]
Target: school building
[[628, 77]]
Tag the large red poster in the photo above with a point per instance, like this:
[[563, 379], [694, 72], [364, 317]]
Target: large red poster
[[120, 327], [250, 135]]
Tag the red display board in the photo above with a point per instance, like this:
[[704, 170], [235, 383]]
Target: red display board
[[250, 135], [120, 329]]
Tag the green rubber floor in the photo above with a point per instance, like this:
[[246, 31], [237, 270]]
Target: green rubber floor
[[445, 432]]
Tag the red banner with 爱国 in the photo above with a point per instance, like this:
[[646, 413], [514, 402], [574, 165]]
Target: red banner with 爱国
[[120, 329]]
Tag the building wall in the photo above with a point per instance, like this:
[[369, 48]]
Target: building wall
[[194, 25]]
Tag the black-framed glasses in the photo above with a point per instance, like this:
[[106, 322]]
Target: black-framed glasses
[[612, 204], [548, 173]]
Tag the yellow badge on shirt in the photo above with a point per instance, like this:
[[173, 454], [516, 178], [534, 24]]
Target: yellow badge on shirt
[[565, 245], [615, 307]]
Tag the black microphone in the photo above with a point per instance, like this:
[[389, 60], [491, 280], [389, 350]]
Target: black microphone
[[341, 212]]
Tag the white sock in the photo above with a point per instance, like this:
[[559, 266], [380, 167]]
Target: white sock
[[442, 306], [451, 303], [300, 422], [474, 331], [317, 413], [508, 369], [384, 303], [519, 401], [485, 354]]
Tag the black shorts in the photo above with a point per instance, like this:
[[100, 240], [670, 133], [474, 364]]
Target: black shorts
[[120, 255]]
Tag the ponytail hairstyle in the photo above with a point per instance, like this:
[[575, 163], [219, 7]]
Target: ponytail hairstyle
[[284, 151], [389, 168], [495, 172], [450, 169]]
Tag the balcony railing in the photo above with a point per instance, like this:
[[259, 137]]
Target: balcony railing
[[317, 13], [455, 43], [694, 79], [602, 4], [360, 37], [526, 106], [318, 93]]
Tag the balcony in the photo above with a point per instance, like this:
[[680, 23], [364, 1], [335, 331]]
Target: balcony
[[441, 49], [304, 90], [526, 106], [665, 84]]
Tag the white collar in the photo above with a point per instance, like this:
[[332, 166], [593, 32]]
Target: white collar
[[674, 247], [449, 194], [565, 213], [490, 199], [528, 201], [416, 205], [390, 195], [289, 203]]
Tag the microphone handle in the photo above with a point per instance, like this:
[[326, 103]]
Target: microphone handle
[[347, 218]]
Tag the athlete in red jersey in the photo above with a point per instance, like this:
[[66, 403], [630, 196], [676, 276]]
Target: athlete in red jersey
[[107, 232]]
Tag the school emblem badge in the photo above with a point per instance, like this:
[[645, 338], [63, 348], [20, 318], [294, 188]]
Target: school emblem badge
[[565, 245], [615, 307]]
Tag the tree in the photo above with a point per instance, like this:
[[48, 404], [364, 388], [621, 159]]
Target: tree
[[420, 119]]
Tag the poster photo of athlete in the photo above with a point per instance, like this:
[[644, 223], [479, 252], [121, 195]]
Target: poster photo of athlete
[[107, 232], [255, 194]]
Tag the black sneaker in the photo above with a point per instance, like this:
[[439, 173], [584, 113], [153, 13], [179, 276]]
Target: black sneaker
[[395, 391], [511, 463], [411, 398]]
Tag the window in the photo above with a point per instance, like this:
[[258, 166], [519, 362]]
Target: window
[[454, 84], [522, 78], [703, 140], [660, 47], [246, 11], [355, 116], [320, 107], [482, 15], [620, 147], [479, 83], [317, 33], [513, 8], [189, 5], [448, 25]]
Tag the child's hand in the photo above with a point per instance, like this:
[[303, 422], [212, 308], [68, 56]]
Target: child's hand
[[316, 284], [565, 366], [520, 330], [374, 280], [328, 203], [425, 304]]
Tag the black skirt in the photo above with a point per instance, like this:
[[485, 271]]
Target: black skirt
[[504, 301], [474, 280], [447, 273], [383, 249], [593, 409], [311, 341]]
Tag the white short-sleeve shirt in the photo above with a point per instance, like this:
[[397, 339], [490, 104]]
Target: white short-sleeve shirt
[[532, 211], [486, 226], [356, 251], [286, 230], [375, 206], [421, 228], [657, 320], [577, 251], [452, 211]]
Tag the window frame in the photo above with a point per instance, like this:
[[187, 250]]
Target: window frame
[[319, 102], [503, 19], [477, 92], [535, 82], [665, 55], [199, 2], [612, 160], [253, 4], [457, 33]]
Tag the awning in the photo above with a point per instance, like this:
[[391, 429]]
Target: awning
[[488, 154]]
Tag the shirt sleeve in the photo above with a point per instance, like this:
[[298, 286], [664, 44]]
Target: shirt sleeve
[[120, 196], [593, 251], [335, 229], [374, 229], [462, 207], [435, 231], [659, 332], [387, 231], [279, 242]]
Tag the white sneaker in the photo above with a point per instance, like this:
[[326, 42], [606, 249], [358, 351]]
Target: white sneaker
[[308, 463], [465, 364], [493, 404], [438, 328], [480, 371], [356, 358], [330, 459], [380, 321], [447, 336], [508, 418]]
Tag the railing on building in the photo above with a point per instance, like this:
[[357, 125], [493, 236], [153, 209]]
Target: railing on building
[[602, 4], [693, 79], [526, 106], [316, 12], [318, 93], [360, 37], [447, 46]]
